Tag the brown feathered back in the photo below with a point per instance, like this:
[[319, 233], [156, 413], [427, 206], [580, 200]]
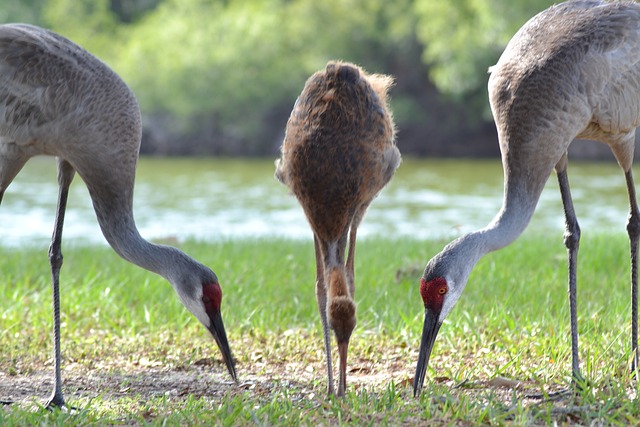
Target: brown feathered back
[[339, 150]]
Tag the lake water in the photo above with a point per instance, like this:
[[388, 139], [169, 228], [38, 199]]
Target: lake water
[[210, 199]]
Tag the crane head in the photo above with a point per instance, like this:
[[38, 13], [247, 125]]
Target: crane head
[[211, 300], [434, 293], [202, 295], [442, 283], [439, 296]]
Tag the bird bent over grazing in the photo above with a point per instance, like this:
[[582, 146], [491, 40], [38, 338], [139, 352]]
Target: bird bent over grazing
[[571, 72], [338, 153], [57, 99]]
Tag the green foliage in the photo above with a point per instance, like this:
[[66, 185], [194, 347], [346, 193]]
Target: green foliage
[[22, 11], [462, 38], [227, 61], [131, 10], [89, 23], [226, 73], [234, 61]]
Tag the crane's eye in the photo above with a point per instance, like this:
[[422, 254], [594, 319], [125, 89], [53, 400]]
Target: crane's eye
[[205, 299], [442, 290]]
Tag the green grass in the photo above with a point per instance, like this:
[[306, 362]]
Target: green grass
[[134, 355]]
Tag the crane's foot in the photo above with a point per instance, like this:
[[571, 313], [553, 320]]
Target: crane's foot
[[578, 385], [56, 403], [56, 400], [556, 395], [51, 406], [330, 390], [63, 408]]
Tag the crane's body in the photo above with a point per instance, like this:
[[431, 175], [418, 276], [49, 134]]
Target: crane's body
[[575, 69], [572, 71], [338, 153], [57, 99]]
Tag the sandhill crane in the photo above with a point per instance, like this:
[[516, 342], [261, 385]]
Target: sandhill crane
[[571, 72], [57, 99], [338, 153]]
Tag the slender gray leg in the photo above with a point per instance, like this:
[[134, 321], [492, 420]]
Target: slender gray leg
[[65, 176], [321, 298], [633, 228], [572, 242]]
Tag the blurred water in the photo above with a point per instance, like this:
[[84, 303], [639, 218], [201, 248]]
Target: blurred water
[[210, 199]]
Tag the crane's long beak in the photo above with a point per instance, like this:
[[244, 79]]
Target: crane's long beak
[[217, 330], [429, 333]]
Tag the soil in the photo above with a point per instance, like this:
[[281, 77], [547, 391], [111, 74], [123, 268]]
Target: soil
[[200, 379], [261, 375]]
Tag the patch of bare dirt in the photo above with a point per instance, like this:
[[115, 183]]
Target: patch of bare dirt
[[146, 383], [199, 379], [206, 379]]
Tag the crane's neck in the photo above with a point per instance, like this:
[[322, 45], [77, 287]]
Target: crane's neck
[[119, 228], [511, 221], [462, 254]]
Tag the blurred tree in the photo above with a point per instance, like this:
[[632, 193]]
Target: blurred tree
[[202, 62], [90, 23], [462, 38], [235, 67], [129, 11], [21, 11]]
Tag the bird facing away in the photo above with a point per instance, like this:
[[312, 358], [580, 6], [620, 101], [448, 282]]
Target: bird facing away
[[57, 99], [571, 72], [338, 153]]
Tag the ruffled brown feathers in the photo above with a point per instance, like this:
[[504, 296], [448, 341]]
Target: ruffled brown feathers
[[339, 148]]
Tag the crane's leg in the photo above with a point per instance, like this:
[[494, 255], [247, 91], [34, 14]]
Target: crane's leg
[[341, 307], [572, 242], [321, 299], [633, 228], [350, 266], [65, 176]]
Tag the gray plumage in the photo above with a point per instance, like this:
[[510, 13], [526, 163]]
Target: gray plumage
[[572, 71], [57, 99]]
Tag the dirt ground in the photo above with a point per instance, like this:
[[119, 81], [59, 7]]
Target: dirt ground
[[204, 378], [264, 377]]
